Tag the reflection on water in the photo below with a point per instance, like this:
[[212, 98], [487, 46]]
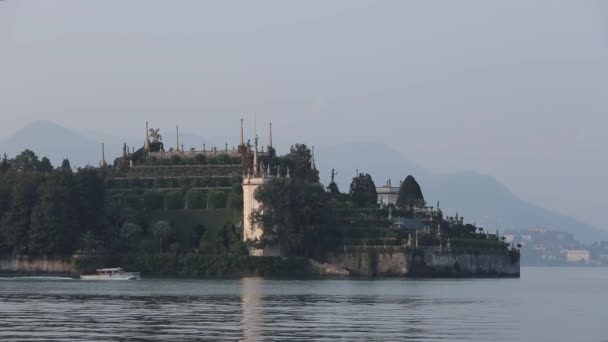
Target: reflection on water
[[256, 309], [251, 298]]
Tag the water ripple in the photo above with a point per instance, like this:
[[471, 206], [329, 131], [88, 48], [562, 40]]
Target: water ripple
[[251, 309]]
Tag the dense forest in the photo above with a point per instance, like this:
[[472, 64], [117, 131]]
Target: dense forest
[[46, 210]]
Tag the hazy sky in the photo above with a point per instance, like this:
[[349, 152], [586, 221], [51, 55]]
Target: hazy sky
[[514, 89]]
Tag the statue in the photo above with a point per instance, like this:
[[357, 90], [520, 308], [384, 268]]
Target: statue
[[333, 174], [154, 135]]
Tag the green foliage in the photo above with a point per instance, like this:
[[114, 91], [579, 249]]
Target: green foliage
[[333, 189], [292, 214], [410, 194], [4, 165], [26, 161], [130, 231], [363, 191], [174, 200], [153, 200], [216, 199], [200, 159], [195, 265], [45, 165], [195, 199], [53, 221], [235, 197], [47, 211], [66, 167], [300, 160], [162, 230]]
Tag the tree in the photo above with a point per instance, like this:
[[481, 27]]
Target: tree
[[161, 230], [88, 198], [333, 189], [235, 197], [410, 193], [300, 157], [53, 221], [363, 191], [45, 165], [4, 165], [216, 199], [174, 200], [26, 161], [292, 214], [65, 166], [16, 223], [153, 200], [129, 231], [195, 199], [89, 243]]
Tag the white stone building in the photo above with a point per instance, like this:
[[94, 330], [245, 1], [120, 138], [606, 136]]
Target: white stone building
[[387, 194], [576, 256]]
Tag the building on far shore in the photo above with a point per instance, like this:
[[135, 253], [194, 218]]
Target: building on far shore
[[387, 194], [577, 256]]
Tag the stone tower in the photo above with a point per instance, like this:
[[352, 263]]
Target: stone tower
[[252, 179]]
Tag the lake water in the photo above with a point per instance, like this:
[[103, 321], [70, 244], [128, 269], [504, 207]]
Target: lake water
[[546, 304]]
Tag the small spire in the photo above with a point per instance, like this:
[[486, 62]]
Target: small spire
[[242, 136], [103, 155], [255, 158], [312, 161], [270, 135], [177, 138], [147, 138]]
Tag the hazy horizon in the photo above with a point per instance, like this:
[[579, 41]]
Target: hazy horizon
[[515, 90]]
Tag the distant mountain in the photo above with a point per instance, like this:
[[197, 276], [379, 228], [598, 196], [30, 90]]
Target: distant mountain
[[55, 142], [479, 198]]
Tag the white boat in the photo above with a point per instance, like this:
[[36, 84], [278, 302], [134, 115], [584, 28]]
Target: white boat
[[116, 273]]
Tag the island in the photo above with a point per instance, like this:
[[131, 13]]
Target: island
[[230, 211]]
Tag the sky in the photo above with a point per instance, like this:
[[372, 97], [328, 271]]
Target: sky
[[514, 89]]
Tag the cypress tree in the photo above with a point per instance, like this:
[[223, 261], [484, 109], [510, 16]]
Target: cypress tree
[[363, 191], [410, 193]]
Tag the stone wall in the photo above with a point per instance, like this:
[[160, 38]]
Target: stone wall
[[427, 262], [36, 265]]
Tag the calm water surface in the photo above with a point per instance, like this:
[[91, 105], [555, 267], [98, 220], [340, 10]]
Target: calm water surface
[[546, 304]]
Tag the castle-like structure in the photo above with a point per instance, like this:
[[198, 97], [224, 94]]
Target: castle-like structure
[[161, 175], [254, 177]]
